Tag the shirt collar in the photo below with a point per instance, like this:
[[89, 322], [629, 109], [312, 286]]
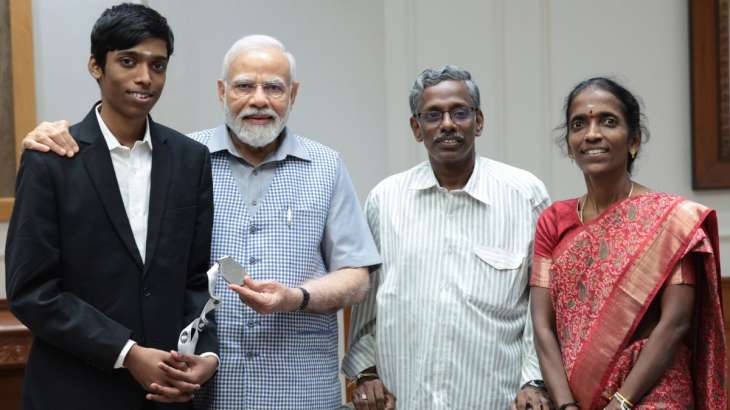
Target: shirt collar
[[290, 145], [425, 179], [111, 141]]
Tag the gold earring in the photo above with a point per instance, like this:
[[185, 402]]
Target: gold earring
[[632, 152]]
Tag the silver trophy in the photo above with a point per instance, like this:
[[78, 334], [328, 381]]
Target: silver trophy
[[233, 273]]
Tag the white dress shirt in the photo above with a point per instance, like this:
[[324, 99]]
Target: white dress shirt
[[453, 329], [133, 169]]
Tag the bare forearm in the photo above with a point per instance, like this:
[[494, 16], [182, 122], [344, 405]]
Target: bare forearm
[[328, 293], [677, 303], [548, 349], [653, 361], [552, 367], [337, 290]]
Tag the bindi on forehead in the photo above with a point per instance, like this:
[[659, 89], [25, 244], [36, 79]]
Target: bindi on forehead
[[593, 102]]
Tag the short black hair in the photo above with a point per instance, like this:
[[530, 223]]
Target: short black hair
[[124, 26], [630, 107]]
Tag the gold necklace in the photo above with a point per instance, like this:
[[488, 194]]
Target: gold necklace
[[581, 208]]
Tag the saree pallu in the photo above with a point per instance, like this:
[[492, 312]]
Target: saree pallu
[[604, 275]]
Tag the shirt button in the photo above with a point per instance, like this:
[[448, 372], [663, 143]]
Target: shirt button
[[252, 260], [252, 229], [255, 172], [147, 292], [249, 355], [251, 323], [253, 203]]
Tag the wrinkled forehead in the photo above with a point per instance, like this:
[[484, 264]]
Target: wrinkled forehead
[[445, 95], [260, 64]]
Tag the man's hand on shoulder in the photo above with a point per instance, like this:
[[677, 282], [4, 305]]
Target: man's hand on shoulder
[[51, 136], [532, 398]]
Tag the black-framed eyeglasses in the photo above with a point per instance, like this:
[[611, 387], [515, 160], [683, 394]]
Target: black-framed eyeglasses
[[458, 114]]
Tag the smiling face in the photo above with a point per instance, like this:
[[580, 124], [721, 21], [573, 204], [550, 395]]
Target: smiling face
[[132, 80], [598, 134], [257, 95], [450, 141]]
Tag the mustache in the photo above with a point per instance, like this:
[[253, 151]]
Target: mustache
[[449, 136], [253, 111]]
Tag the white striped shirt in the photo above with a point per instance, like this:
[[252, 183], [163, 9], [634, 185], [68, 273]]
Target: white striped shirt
[[453, 328]]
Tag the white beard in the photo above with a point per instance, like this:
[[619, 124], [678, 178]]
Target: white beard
[[255, 135]]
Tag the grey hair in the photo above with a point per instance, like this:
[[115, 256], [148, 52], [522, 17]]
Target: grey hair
[[432, 76], [255, 41]]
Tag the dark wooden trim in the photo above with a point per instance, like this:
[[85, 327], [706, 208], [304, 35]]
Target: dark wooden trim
[[21, 47], [709, 169], [347, 312], [15, 342]]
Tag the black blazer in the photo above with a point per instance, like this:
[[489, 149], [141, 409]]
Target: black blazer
[[75, 276]]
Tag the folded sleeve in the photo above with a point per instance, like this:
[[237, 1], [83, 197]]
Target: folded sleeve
[[545, 241]]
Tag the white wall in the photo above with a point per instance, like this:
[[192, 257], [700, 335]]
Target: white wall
[[528, 54], [341, 75], [357, 60]]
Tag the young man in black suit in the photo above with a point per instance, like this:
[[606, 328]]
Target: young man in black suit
[[106, 253]]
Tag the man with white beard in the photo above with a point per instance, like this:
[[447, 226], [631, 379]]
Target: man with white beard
[[285, 209]]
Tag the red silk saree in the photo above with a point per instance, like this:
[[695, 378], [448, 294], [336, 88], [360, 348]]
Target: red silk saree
[[604, 275]]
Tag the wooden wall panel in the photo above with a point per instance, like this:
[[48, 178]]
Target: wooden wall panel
[[7, 135], [23, 84], [15, 341]]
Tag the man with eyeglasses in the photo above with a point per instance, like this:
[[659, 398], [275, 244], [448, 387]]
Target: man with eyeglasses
[[446, 324], [285, 208]]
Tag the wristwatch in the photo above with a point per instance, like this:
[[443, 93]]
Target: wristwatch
[[535, 384], [365, 376], [305, 299]]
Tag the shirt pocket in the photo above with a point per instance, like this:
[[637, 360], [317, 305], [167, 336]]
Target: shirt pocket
[[501, 279], [307, 220], [301, 228]]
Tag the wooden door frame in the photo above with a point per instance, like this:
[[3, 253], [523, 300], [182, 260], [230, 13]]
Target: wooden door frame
[[23, 74]]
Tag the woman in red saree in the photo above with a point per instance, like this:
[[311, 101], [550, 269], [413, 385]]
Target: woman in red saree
[[625, 283]]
